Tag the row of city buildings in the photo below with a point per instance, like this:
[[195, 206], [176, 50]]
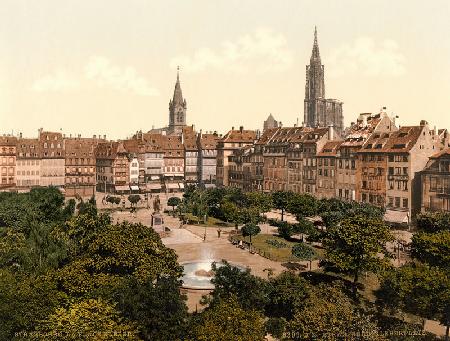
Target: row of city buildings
[[404, 169], [147, 162]]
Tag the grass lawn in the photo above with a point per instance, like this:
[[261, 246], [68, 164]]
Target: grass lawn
[[283, 254], [211, 221]]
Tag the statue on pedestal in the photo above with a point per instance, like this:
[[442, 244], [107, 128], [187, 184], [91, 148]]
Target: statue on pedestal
[[156, 204]]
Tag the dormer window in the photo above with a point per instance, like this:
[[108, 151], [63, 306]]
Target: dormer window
[[399, 146]]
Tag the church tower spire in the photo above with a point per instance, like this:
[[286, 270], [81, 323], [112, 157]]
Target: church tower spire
[[315, 79], [315, 55], [319, 111], [177, 108]]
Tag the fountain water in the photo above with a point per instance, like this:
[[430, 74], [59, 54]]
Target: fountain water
[[198, 274]]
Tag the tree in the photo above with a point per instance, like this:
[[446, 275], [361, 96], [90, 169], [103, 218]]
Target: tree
[[302, 205], [250, 291], [134, 199], [432, 248], [236, 196], [433, 221], [173, 201], [158, 307], [113, 200], [24, 300], [287, 294], [250, 215], [285, 230], [354, 245], [227, 321], [69, 209], [90, 319], [250, 229], [49, 201], [418, 289], [304, 252], [305, 227], [116, 252], [281, 201], [261, 201], [328, 314], [231, 213]]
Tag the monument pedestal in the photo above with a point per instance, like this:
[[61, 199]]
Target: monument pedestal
[[157, 222]]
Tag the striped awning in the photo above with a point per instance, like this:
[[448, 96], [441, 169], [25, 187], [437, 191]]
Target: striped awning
[[397, 217], [153, 186]]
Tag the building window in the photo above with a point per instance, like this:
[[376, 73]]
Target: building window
[[390, 201], [405, 203]]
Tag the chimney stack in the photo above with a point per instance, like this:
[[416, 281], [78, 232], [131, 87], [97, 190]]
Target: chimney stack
[[94, 137], [241, 128], [104, 137], [330, 132]]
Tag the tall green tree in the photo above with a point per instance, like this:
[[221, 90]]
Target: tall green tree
[[251, 291], [433, 221], [262, 201], [116, 252], [157, 307], [49, 201], [134, 199], [302, 205], [355, 245], [418, 289], [250, 230], [281, 201], [26, 299], [173, 201], [328, 314], [432, 248], [90, 319], [288, 292], [227, 321]]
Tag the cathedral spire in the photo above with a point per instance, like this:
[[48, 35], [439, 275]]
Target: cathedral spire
[[177, 93], [315, 56]]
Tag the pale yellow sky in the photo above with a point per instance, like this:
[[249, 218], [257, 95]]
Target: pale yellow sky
[[109, 67]]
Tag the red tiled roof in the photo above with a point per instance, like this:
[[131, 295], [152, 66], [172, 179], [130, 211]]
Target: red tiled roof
[[209, 141], [330, 148], [8, 140], [445, 152], [240, 136], [400, 141]]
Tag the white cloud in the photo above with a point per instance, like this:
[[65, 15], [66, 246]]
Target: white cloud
[[104, 73], [262, 50], [60, 80], [367, 57], [101, 72]]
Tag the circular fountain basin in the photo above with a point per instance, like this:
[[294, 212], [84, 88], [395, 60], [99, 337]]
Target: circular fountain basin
[[198, 274]]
